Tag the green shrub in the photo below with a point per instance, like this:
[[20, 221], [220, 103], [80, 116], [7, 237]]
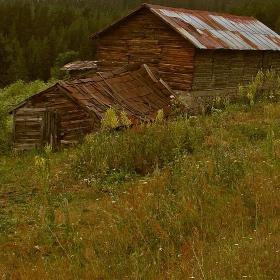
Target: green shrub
[[265, 86], [139, 150]]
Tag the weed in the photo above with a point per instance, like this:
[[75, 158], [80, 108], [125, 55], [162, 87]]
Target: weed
[[125, 121], [44, 203], [193, 199], [263, 87], [138, 150], [110, 120], [159, 116]]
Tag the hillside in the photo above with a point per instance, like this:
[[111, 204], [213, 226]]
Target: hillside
[[190, 199]]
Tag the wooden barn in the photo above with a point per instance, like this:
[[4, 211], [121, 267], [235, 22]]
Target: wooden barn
[[198, 53], [65, 112]]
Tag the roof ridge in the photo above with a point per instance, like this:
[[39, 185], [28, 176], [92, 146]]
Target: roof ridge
[[211, 30]]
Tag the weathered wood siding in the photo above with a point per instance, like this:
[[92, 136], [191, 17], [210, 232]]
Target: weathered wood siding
[[81, 74], [29, 120], [27, 128], [218, 73], [226, 69], [144, 38]]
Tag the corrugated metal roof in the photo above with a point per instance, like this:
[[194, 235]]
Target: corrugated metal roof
[[79, 65], [210, 30]]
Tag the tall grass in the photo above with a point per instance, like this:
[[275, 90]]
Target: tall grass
[[116, 155], [265, 86], [191, 199], [196, 199]]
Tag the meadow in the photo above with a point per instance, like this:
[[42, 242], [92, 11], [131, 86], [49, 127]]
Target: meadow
[[195, 198]]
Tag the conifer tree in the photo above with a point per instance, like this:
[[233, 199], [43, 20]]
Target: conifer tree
[[5, 60]]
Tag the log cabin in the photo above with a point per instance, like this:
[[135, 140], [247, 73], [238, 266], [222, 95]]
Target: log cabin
[[200, 54], [64, 113]]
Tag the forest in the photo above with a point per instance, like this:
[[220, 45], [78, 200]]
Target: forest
[[38, 37]]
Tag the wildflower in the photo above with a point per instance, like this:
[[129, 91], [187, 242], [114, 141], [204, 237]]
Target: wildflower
[[218, 101], [48, 149], [250, 96], [160, 115], [110, 119], [240, 91], [125, 120]]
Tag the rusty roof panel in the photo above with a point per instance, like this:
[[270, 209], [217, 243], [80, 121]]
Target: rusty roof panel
[[228, 31], [210, 30]]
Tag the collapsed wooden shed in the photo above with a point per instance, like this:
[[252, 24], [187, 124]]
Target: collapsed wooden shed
[[198, 53], [65, 112]]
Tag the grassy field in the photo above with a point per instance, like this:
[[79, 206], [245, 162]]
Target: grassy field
[[193, 199], [190, 199]]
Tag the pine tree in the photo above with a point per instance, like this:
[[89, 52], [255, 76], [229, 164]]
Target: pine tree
[[61, 60], [5, 60]]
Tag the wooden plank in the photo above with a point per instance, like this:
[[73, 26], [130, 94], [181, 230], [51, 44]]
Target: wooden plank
[[166, 52]]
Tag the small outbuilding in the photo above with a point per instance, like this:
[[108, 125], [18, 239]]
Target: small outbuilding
[[80, 69], [199, 54], [65, 112]]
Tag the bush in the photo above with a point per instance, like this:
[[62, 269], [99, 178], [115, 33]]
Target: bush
[[265, 86], [134, 151]]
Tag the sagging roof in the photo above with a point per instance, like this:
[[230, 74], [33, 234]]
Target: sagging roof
[[134, 90], [210, 30], [79, 65]]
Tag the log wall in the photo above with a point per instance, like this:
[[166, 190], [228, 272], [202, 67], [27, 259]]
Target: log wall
[[144, 38], [29, 120], [226, 68], [218, 73], [27, 128]]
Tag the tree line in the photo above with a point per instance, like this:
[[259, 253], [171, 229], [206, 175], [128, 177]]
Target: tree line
[[39, 36]]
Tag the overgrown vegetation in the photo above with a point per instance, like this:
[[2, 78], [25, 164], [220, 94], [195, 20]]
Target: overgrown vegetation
[[265, 86], [197, 198], [116, 156]]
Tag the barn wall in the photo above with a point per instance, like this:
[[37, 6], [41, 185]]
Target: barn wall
[[226, 68], [218, 73], [271, 60], [74, 122], [144, 38]]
